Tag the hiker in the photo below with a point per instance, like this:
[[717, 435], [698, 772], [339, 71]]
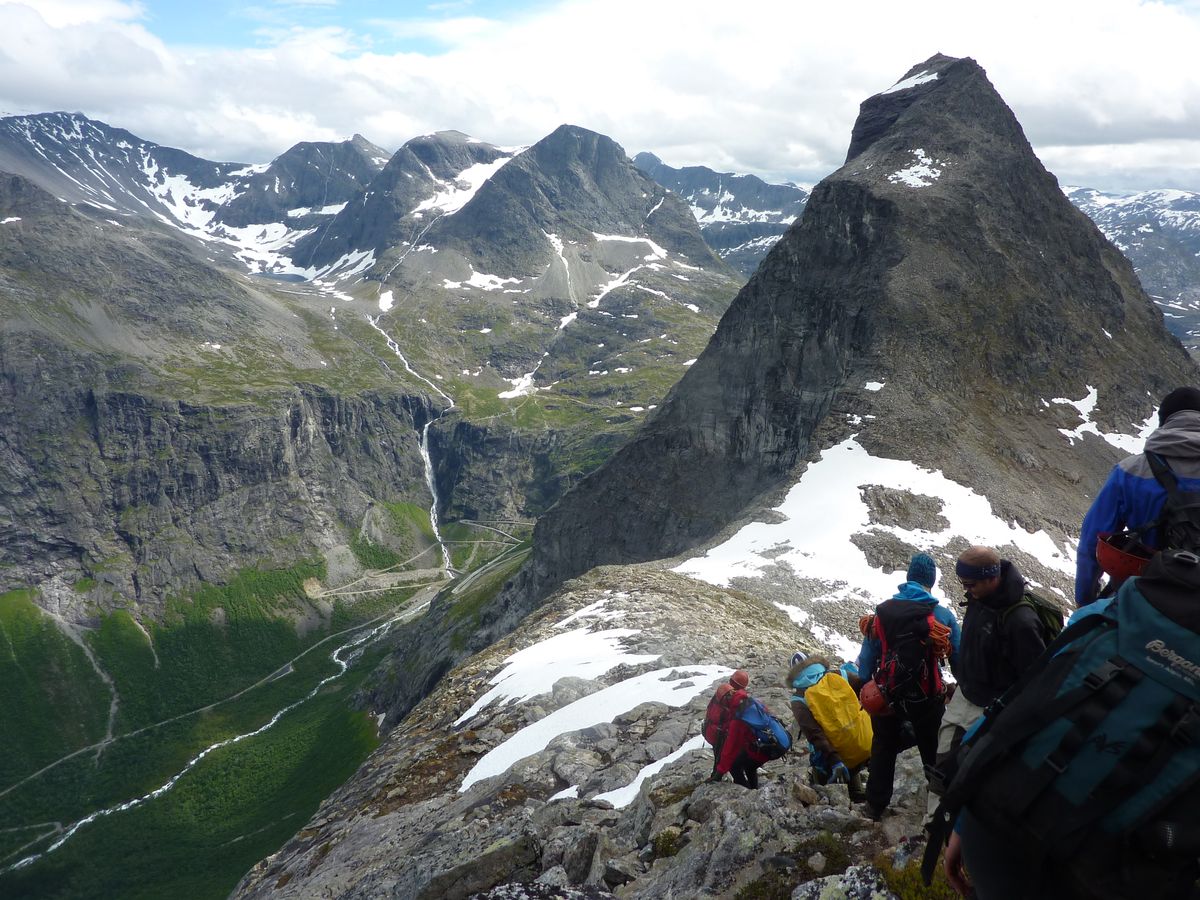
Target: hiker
[[1002, 635], [1133, 496], [754, 737], [1084, 779], [825, 706], [720, 712], [900, 654]]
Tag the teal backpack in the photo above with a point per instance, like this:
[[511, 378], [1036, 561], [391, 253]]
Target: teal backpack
[[1090, 764]]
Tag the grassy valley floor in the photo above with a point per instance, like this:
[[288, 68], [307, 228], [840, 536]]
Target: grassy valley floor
[[205, 678]]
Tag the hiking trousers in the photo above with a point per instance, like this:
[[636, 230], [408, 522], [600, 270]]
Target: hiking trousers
[[889, 739], [745, 771], [960, 715]]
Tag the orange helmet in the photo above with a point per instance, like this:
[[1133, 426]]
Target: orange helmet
[[740, 679], [1122, 555], [873, 701]]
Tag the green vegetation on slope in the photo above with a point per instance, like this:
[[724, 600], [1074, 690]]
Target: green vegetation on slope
[[237, 806], [222, 664], [51, 699]]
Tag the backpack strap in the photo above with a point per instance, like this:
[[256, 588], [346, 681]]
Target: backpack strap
[[1177, 726], [1162, 473], [987, 743], [1103, 689]]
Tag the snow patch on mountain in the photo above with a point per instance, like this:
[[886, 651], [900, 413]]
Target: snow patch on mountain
[[1129, 443], [922, 173], [580, 653], [911, 82], [675, 686], [831, 493], [458, 193]]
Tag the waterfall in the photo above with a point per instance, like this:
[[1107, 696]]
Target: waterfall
[[425, 457], [433, 510]]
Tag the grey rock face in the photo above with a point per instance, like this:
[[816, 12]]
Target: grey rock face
[[973, 294], [383, 218], [573, 183], [310, 175]]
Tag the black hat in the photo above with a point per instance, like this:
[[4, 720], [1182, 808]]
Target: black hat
[[1179, 399]]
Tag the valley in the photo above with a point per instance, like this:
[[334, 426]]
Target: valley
[[213, 719], [293, 454]]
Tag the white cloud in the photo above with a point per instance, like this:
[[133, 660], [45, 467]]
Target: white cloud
[[1106, 89]]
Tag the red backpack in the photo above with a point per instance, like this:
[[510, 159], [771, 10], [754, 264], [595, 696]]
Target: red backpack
[[718, 715]]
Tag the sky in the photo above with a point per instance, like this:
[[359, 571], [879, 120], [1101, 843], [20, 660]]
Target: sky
[[1106, 90]]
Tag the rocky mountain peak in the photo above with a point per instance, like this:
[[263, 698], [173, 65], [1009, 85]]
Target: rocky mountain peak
[[940, 301], [574, 184]]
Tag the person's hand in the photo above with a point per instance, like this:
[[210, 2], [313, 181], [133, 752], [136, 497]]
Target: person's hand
[[953, 862], [840, 774]]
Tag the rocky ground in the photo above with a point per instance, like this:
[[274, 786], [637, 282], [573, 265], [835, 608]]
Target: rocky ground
[[403, 826]]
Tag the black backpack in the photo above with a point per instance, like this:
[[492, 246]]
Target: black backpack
[[1178, 524], [908, 666], [1049, 615]]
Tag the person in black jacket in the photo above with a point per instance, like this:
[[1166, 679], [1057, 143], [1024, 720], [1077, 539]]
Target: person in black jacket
[[1001, 637]]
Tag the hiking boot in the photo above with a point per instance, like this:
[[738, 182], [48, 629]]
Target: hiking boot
[[873, 812], [858, 788]]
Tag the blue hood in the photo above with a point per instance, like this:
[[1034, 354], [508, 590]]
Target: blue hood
[[808, 676], [910, 590]]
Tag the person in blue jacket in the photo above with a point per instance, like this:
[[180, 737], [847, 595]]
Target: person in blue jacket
[[1132, 497], [889, 733]]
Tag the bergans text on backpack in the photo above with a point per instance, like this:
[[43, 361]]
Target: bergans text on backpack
[[1092, 760], [846, 724], [718, 716], [1049, 615], [910, 641], [771, 736]]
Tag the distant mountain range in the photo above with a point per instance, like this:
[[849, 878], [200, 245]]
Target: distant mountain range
[[535, 303], [741, 216]]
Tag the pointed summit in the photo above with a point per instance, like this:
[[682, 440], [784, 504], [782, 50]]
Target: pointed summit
[[573, 183], [940, 301]]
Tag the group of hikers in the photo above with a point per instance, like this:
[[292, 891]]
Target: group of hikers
[[1060, 762]]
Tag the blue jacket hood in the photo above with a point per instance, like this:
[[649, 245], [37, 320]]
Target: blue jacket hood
[[808, 676], [910, 590]]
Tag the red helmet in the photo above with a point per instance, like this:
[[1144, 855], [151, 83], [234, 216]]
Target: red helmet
[[873, 701], [1122, 555], [740, 679]]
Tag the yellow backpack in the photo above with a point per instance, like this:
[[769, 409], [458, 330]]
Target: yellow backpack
[[846, 724]]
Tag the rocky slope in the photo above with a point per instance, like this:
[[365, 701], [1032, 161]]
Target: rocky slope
[[568, 756], [740, 216]]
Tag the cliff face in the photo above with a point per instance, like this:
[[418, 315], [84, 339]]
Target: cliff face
[[107, 475], [943, 261], [148, 496]]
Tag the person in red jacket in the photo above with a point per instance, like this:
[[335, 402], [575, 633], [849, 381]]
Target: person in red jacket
[[740, 755]]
